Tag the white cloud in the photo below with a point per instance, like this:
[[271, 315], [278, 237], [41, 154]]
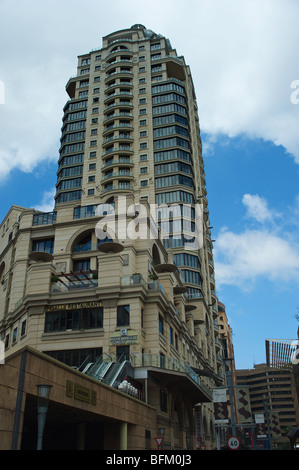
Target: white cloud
[[269, 250], [246, 63], [243, 57], [257, 208], [241, 259], [47, 202]]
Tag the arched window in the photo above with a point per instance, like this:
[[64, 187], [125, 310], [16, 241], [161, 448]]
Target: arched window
[[156, 256], [84, 244]]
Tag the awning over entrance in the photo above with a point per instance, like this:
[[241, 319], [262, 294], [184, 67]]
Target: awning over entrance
[[196, 390]]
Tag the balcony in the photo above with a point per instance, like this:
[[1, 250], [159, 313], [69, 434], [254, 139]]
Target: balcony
[[213, 297], [117, 116], [121, 149], [120, 94], [120, 104], [118, 52], [216, 326], [109, 246], [117, 85], [71, 87], [118, 63], [41, 256], [66, 282], [119, 73], [211, 265], [194, 295], [119, 162], [118, 138], [137, 279], [175, 371], [119, 126], [120, 175], [86, 247], [120, 187]]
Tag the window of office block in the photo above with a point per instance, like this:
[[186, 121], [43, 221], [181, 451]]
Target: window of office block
[[123, 315]]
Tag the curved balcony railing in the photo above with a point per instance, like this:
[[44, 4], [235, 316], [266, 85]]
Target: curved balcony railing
[[168, 363]]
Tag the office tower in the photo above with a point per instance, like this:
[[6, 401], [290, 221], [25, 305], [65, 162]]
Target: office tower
[[130, 142], [271, 395]]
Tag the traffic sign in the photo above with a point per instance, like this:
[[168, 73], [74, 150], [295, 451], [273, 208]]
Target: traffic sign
[[233, 443], [267, 444], [159, 441]]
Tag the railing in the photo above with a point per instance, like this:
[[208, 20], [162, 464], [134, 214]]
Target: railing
[[120, 187], [121, 103], [194, 295], [118, 162], [137, 279], [168, 363], [118, 137], [85, 247], [115, 116], [116, 126], [117, 175], [151, 360], [79, 281], [19, 303]]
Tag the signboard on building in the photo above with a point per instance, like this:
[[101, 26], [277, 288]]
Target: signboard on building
[[74, 306], [124, 337], [80, 393], [220, 406], [275, 425], [243, 405]]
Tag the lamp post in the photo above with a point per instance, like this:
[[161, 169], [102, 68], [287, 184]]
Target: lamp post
[[266, 408], [228, 373], [42, 408]]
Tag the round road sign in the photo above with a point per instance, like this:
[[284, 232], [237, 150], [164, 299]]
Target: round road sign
[[233, 443]]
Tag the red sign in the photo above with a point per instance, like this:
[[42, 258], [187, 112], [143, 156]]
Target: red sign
[[233, 443], [159, 441]]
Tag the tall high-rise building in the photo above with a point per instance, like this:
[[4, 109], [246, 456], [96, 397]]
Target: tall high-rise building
[[130, 154], [131, 128]]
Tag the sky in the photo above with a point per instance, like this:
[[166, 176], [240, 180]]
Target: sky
[[244, 60]]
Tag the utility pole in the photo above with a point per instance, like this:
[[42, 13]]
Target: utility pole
[[267, 420]]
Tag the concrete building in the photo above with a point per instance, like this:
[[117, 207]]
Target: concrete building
[[106, 280], [283, 355], [226, 340], [271, 394]]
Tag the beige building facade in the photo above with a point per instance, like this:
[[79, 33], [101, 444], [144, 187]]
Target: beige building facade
[[143, 300]]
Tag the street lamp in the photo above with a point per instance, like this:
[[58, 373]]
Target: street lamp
[[228, 373], [42, 408], [266, 408]]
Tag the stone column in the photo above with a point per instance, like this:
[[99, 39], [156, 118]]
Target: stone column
[[81, 436], [123, 439]]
